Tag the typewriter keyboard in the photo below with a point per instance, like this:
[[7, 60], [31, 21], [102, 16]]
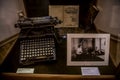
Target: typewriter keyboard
[[37, 49]]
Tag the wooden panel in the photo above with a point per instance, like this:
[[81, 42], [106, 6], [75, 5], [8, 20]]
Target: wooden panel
[[14, 76], [6, 46]]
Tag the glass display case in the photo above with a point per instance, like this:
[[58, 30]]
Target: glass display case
[[94, 18]]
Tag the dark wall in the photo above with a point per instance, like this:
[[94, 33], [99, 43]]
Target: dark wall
[[35, 8], [64, 2]]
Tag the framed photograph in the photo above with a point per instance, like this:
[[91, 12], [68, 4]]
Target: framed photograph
[[88, 49]]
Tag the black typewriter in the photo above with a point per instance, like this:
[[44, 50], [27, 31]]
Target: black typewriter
[[37, 40]]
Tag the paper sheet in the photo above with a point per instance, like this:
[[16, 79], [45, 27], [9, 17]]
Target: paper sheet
[[90, 71], [68, 14], [25, 70]]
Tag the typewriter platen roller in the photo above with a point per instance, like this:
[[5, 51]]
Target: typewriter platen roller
[[37, 21]]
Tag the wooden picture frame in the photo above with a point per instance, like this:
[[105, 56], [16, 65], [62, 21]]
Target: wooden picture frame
[[88, 49]]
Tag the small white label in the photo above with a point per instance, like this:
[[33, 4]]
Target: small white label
[[90, 71], [25, 70]]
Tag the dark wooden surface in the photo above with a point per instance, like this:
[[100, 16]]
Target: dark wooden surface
[[59, 66], [13, 76]]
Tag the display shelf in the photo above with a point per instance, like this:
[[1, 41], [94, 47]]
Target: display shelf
[[9, 76], [54, 70]]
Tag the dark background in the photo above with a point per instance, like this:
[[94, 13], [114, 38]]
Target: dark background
[[38, 8]]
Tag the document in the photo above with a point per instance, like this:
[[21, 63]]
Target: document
[[25, 70], [57, 11], [68, 14], [90, 71]]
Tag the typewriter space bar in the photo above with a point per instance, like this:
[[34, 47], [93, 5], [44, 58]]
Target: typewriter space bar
[[41, 57]]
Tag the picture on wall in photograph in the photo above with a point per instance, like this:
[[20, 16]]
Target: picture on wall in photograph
[[87, 49]]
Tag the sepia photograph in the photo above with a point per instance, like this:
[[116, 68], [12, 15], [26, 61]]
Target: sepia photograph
[[68, 14], [87, 49]]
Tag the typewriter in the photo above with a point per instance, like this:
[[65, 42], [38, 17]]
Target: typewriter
[[37, 39]]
